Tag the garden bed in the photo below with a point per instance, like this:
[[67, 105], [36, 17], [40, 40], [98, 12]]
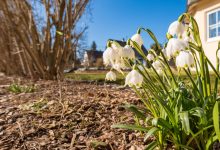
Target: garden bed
[[65, 115]]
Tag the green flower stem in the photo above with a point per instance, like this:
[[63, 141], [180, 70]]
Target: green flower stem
[[196, 64], [166, 77], [194, 84], [196, 34], [213, 68], [145, 71], [153, 109], [217, 69], [208, 79], [150, 84], [203, 74], [159, 48], [160, 80]]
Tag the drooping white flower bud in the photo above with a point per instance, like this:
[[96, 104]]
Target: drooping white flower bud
[[110, 76], [150, 57], [138, 39], [176, 28], [127, 52], [174, 46], [157, 65], [110, 56], [184, 60], [134, 78]]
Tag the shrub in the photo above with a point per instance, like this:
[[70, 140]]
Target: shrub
[[177, 114]]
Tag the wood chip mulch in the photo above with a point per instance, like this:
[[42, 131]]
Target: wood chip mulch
[[66, 115]]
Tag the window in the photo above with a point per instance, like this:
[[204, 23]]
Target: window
[[213, 29]]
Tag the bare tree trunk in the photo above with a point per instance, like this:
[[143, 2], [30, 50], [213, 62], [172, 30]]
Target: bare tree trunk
[[39, 57]]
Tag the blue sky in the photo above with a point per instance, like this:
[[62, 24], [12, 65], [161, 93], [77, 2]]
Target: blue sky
[[117, 19]]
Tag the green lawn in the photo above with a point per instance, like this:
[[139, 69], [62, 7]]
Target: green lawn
[[96, 76], [99, 76]]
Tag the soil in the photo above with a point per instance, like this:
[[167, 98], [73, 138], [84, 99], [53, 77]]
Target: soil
[[65, 115]]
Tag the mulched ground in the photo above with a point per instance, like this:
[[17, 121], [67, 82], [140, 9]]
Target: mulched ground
[[66, 115]]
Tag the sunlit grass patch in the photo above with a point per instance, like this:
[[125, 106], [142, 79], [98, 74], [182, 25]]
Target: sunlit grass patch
[[93, 77], [17, 88]]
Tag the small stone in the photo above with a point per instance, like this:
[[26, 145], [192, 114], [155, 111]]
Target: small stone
[[43, 143], [130, 137], [10, 113], [103, 119], [2, 74], [51, 133], [81, 138]]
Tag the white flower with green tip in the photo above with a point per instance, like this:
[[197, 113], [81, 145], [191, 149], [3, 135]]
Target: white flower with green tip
[[110, 76], [127, 52], [110, 56], [150, 57], [174, 46], [134, 78], [138, 39], [184, 59], [176, 28]]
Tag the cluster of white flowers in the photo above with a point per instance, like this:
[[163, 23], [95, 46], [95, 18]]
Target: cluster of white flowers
[[178, 45], [115, 54], [177, 48]]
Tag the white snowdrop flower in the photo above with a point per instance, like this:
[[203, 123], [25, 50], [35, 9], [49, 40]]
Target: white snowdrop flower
[[127, 52], [157, 65], [110, 56], [134, 78], [150, 57], [174, 46], [110, 76], [138, 39], [184, 60], [176, 28]]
